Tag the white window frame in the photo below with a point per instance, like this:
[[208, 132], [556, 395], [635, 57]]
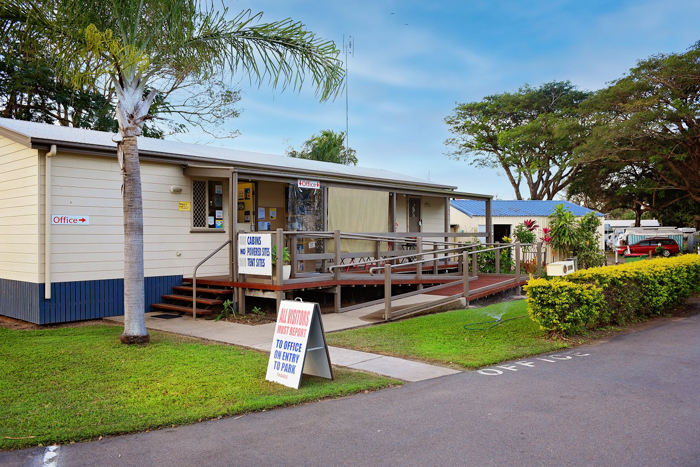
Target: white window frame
[[207, 228]]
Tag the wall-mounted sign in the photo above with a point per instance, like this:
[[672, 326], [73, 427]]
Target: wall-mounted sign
[[299, 345], [255, 254], [184, 206], [59, 219], [309, 184]]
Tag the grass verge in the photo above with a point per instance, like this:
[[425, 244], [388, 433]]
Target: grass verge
[[76, 384], [442, 338]]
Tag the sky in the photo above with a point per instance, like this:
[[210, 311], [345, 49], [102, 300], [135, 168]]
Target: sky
[[414, 61]]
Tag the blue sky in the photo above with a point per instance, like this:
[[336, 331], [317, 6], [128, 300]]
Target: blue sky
[[414, 60]]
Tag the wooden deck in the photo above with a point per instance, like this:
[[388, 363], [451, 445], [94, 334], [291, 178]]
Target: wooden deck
[[482, 287], [429, 284]]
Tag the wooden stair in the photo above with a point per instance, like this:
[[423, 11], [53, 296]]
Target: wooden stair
[[209, 299]]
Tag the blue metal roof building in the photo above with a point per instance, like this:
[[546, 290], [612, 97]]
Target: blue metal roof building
[[518, 208]]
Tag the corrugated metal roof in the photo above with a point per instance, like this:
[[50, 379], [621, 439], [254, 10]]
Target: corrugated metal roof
[[54, 134], [517, 208]]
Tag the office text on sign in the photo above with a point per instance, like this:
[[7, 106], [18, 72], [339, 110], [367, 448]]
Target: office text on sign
[[60, 219], [311, 184]]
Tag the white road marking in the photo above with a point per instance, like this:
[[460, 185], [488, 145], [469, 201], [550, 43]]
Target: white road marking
[[50, 457]]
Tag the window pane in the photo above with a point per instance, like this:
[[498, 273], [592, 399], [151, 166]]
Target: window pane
[[199, 203], [215, 219]]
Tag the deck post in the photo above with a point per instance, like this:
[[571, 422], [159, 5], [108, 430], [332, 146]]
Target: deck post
[[475, 265], [239, 292], [392, 224], [539, 259], [233, 225], [293, 255], [517, 268], [336, 244], [419, 256], [447, 229], [435, 257], [465, 274], [279, 270], [489, 222], [498, 257], [378, 251], [387, 292]]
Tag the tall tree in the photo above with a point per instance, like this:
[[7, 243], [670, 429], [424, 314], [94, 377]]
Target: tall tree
[[31, 90], [328, 146], [650, 118], [530, 134], [609, 185], [166, 45]]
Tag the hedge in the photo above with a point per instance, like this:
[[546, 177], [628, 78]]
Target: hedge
[[612, 294]]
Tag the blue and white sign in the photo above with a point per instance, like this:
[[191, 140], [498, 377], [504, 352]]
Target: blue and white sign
[[255, 254]]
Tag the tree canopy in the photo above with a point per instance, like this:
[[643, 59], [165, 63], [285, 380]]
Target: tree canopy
[[530, 134], [649, 119], [328, 146], [143, 48]]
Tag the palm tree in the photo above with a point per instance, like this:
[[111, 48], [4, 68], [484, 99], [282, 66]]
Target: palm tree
[[329, 146], [165, 45]]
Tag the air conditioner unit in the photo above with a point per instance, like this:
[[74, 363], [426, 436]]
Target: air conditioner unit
[[560, 268]]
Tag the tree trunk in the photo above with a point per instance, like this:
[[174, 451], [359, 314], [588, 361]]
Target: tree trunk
[[134, 307], [637, 216]]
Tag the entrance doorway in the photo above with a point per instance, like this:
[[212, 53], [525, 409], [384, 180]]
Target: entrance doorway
[[500, 231], [414, 215], [246, 206]]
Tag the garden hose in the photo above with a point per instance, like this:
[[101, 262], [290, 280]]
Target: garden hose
[[490, 324]]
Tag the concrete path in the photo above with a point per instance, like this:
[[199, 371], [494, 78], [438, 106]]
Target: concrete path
[[260, 338]]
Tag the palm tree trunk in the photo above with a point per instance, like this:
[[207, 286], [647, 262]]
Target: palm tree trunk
[[134, 307]]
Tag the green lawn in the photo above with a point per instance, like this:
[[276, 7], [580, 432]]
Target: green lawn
[[441, 338], [81, 383]]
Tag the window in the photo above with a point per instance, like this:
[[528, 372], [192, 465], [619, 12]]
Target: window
[[208, 204]]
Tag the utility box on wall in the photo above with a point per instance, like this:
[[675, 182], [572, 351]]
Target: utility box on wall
[[560, 268]]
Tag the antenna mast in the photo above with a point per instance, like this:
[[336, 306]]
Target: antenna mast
[[349, 47]]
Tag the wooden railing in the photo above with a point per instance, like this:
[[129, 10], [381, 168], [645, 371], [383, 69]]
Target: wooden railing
[[399, 253]]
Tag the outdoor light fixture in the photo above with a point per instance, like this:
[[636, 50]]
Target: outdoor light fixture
[[175, 189]]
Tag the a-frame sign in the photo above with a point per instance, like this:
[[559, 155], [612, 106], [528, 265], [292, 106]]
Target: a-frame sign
[[299, 345]]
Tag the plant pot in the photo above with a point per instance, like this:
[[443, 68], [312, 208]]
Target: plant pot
[[286, 271]]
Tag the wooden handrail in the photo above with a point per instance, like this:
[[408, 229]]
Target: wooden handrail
[[194, 278]]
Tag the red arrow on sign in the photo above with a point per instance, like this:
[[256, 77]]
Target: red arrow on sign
[[82, 220]]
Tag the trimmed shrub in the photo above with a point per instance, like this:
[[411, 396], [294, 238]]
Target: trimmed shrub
[[561, 306], [628, 291]]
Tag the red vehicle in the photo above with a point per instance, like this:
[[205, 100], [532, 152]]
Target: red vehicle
[[648, 245]]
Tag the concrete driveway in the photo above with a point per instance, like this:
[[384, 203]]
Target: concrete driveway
[[634, 400]]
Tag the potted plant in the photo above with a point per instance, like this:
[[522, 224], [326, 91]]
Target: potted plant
[[286, 267]]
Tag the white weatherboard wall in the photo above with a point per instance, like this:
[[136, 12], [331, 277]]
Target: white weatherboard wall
[[19, 212], [432, 213], [91, 186]]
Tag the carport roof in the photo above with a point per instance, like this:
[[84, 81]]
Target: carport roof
[[518, 208]]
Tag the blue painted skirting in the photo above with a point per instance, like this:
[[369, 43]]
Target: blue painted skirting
[[75, 301]]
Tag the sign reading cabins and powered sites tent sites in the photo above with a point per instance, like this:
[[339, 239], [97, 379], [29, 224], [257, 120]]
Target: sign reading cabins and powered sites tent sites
[[299, 345], [255, 254]]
